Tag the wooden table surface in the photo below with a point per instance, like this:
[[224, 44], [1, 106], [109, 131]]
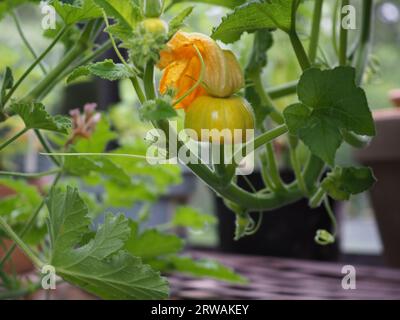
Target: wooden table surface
[[270, 279], [278, 278]]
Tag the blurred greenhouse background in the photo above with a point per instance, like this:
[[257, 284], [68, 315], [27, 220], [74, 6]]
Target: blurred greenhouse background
[[359, 234]]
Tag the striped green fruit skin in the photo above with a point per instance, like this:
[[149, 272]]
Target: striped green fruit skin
[[223, 114]]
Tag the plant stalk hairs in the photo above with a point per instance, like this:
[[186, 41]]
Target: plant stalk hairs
[[223, 105]]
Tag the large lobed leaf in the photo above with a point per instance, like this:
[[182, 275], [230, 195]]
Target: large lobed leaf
[[35, 116], [253, 16], [330, 102], [100, 266]]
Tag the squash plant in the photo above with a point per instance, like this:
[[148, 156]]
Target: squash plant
[[119, 260]]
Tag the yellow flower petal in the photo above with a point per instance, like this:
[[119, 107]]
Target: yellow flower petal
[[182, 68]]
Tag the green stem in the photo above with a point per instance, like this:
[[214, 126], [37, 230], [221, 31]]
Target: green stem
[[26, 42], [343, 38], [266, 100], [138, 89], [273, 168], [46, 147], [265, 174], [282, 90], [12, 139], [148, 80], [95, 54], [334, 25], [299, 50], [317, 198], [51, 79], [296, 166], [35, 63], [261, 140], [314, 39], [268, 136], [365, 40], [331, 216], [29, 175], [23, 246]]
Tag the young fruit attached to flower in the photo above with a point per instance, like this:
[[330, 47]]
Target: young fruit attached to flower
[[182, 68], [226, 120]]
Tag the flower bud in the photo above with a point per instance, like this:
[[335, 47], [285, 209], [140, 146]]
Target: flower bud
[[152, 8], [182, 68], [155, 26]]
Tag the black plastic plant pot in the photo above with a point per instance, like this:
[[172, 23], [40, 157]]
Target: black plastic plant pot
[[285, 232]]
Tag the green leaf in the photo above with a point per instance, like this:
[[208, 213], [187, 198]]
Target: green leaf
[[205, 268], [83, 165], [106, 69], [178, 21], [99, 139], [152, 243], [223, 3], [243, 222], [22, 200], [127, 13], [127, 195], [253, 16], [77, 10], [8, 81], [189, 217], [343, 182], [335, 95], [35, 116], [99, 266], [68, 219], [158, 109], [330, 101]]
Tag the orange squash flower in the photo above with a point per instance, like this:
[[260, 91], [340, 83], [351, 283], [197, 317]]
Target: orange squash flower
[[182, 68]]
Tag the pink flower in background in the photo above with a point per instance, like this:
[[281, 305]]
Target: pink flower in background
[[83, 124]]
